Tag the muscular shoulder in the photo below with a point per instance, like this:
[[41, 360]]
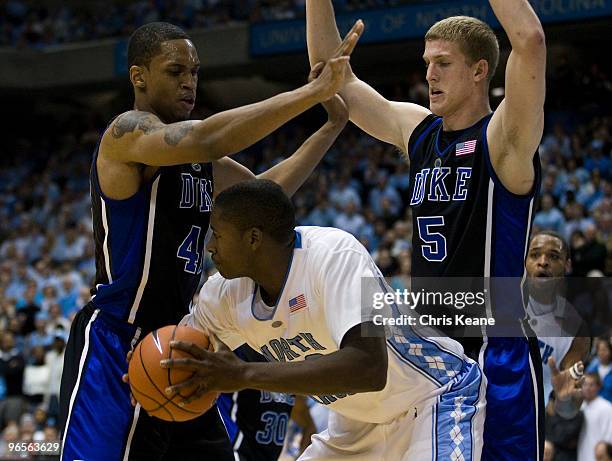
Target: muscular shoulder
[[133, 120], [129, 126]]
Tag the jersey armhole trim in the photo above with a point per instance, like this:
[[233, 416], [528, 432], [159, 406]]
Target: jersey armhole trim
[[435, 121], [96, 179], [498, 183]]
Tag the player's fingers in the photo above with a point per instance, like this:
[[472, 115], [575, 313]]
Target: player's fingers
[[316, 71], [128, 356], [133, 400], [195, 396], [576, 371], [185, 363], [350, 40], [337, 64], [191, 348], [176, 388], [125, 378], [552, 364]]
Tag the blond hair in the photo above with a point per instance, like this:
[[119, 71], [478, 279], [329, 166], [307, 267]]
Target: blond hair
[[475, 38]]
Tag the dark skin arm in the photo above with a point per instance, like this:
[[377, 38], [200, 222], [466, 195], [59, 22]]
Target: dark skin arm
[[568, 391], [138, 142], [141, 137], [291, 173], [301, 416], [360, 365]]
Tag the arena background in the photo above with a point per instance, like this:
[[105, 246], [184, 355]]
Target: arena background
[[63, 77]]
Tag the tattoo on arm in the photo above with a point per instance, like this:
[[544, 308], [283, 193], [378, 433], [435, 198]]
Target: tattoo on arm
[[149, 123], [177, 131], [130, 121]]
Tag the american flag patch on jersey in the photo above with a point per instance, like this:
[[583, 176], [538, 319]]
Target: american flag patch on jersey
[[297, 303], [465, 148]]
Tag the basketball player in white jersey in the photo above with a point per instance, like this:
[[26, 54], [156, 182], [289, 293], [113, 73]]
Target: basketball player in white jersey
[[295, 295], [559, 327]]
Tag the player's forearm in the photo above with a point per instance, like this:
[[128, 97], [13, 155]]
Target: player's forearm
[[231, 131], [322, 34], [520, 23], [292, 172], [348, 370]]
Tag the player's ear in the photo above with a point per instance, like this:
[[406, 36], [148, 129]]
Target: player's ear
[[137, 77], [254, 237], [568, 266], [481, 70]]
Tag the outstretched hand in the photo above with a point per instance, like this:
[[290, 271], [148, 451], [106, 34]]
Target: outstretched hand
[[220, 371], [567, 385], [336, 108]]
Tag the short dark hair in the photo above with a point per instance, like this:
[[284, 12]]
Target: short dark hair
[[258, 203], [564, 246], [605, 340], [594, 376], [145, 42]]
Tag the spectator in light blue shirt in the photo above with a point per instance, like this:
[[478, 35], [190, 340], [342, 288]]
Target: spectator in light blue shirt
[[549, 217], [598, 161], [40, 336], [350, 221], [384, 191], [322, 214], [344, 193], [401, 178]]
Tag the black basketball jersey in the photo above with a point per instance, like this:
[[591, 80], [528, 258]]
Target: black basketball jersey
[[256, 421], [465, 222], [149, 247]]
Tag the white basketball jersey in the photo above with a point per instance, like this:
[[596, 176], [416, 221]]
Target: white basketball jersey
[[554, 341], [319, 303]]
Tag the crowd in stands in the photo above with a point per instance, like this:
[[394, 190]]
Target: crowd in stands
[[26, 23]]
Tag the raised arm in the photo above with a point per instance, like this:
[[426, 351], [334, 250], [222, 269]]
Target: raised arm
[[568, 390], [389, 121], [515, 130], [292, 172], [141, 137]]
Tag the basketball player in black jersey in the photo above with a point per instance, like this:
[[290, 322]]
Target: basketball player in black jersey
[[473, 176], [153, 178]]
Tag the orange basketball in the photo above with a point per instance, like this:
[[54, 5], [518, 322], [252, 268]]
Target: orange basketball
[[148, 380]]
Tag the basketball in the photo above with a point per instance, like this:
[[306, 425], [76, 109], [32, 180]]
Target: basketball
[[148, 380]]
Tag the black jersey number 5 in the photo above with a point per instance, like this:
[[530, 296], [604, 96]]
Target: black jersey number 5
[[434, 246]]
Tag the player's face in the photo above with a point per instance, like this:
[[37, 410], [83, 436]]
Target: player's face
[[590, 389], [603, 352], [450, 76], [227, 247], [546, 258], [172, 80]]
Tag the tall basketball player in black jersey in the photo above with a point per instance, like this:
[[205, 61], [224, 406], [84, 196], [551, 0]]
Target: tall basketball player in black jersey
[[153, 178], [473, 176]]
